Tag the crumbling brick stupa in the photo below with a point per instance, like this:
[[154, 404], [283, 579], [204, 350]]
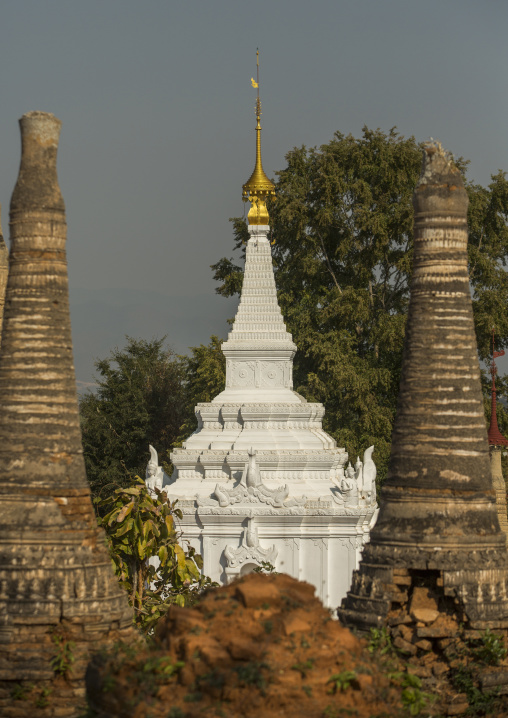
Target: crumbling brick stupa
[[4, 267], [59, 598], [437, 557], [497, 444]]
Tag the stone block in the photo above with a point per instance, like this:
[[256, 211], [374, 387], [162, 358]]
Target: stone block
[[396, 595], [242, 648], [398, 618], [295, 624], [406, 632], [212, 653], [402, 580], [405, 646], [457, 709], [439, 669], [424, 644], [420, 671], [423, 606], [254, 595], [428, 659], [424, 615], [443, 643], [443, 627], [496, 677]]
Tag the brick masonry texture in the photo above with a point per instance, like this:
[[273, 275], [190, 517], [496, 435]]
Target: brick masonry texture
[[57, 585]]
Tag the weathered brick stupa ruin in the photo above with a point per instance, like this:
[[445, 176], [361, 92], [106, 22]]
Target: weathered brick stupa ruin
[[4, 268], [59, 598], [437, 555], [259, 480], [497, 444]]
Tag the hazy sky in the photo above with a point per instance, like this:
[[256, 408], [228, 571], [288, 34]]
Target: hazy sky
[[158, 126]]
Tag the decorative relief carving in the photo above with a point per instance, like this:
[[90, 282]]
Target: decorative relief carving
[[251, 490], [186, 503], [208, 506], [155, 477], [249, 550], [242, 373], [272, 373], [358, 487], [319, 504]]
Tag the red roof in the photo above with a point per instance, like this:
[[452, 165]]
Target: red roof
[[495, 436]]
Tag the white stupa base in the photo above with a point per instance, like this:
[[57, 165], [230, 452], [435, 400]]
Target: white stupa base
[[259, 480], [313, 545]]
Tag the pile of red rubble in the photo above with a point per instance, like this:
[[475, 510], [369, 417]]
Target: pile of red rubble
[[263, 646]]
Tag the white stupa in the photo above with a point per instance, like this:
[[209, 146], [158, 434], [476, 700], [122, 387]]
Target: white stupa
[[259, 480]]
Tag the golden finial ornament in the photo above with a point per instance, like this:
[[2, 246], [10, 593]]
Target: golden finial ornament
[[258, 187]]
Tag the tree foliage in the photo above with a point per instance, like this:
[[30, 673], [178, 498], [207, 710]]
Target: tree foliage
[[140, 400], [205, 377], [342, 226], [152, 566]]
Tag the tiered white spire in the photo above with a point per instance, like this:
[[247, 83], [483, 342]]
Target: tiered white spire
[[259, 318], [259, 350], [316, 517]]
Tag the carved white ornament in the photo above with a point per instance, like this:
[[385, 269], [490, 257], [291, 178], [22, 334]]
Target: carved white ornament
[[251, 490], [155, 477], [249, 551]]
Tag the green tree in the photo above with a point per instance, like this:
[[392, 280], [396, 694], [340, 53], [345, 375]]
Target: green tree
[[140, 400], [205, 377], [342, 230], [140, 528]]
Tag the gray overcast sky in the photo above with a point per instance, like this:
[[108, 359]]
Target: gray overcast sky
[[158, 126]]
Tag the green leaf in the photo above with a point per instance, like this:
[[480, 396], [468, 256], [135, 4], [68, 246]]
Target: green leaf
[[122, 530], [125, 511]]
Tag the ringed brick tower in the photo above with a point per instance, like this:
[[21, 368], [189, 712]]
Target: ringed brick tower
[[438, 524], [56, 579], [497, 444], [4, 268]]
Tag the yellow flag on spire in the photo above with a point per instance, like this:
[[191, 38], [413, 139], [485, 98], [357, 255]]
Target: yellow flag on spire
[[254, 83]]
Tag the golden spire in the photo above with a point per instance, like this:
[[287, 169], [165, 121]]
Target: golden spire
[[258, 187]]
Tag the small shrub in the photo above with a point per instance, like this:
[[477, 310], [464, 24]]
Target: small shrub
[[64, 657], [266, 567], [140, 526], [20, 692], [380, 641], [42, 701], [194, 697], [489, 648], [162, 666], [413, 698], [304, 666], [250, 674], [480, 702], [342, 681]]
